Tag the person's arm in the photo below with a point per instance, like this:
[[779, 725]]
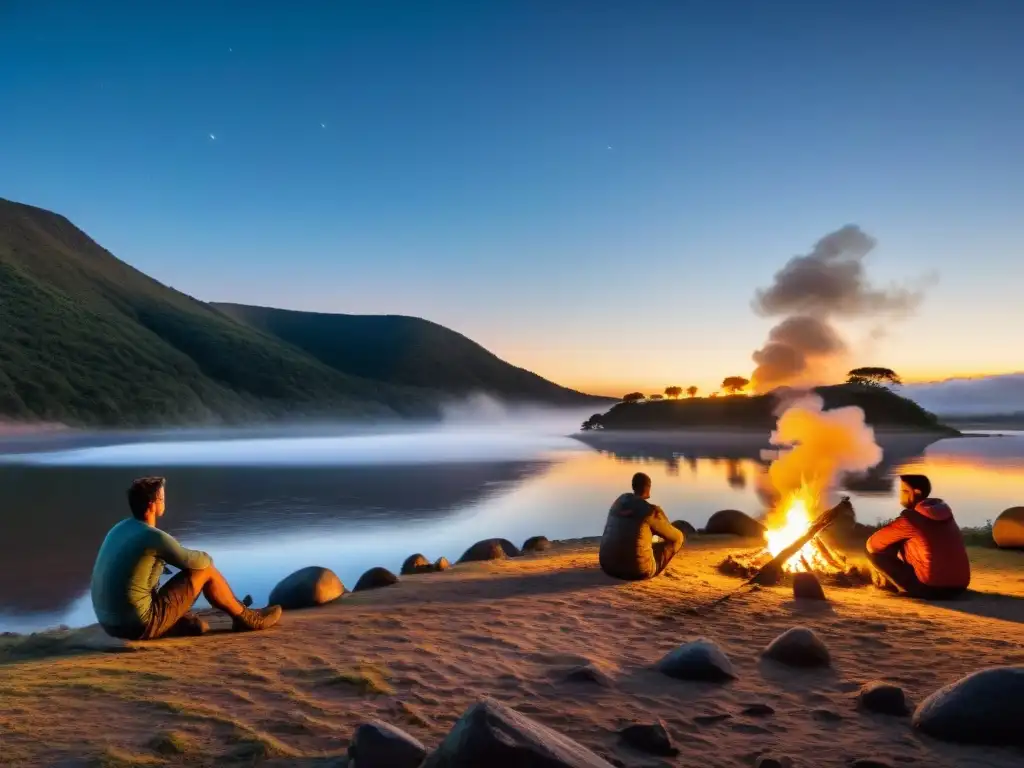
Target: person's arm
[[899, 530], [659, 523], [169, 550]]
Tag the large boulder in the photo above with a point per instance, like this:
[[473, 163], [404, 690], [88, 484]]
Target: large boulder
[[416, 564], [1008, 530], [492, 734], [735, 523], [490, 549], [536, 544], [375, 578], [986, 707], [442, 564], [701, 660], [306, 588], [379, 745], [687, 529], [798, 647]]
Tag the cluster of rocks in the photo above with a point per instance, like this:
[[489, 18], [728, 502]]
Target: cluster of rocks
[[315, 585], [986, 707]]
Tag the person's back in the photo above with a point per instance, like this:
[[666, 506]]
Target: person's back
[[627, 549], [932, 544], [127, 571]]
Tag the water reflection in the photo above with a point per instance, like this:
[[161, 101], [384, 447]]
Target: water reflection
[[262, 522]]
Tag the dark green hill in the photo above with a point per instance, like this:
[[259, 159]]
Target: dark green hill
[[87, 339], [402, 350], [883, 410]]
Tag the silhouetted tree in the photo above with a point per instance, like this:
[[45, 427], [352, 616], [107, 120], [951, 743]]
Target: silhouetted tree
[[692, 391], [673, 392], [594, 422], [634, 397], [873, 377], [655, 397], [734, 384]]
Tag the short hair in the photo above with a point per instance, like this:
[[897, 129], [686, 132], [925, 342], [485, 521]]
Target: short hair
[[919, 483], [641, 482], [142, 493]]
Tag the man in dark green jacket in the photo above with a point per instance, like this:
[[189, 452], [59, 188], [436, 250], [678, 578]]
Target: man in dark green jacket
[[126, 595], [628, 550]]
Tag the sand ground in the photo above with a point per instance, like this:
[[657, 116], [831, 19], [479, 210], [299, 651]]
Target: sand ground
[[419, 653]]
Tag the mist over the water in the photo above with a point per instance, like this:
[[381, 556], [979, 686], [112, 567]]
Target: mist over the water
[[477, 429]]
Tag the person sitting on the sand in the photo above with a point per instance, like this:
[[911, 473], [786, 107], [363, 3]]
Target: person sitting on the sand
[[627, 547], [921, 552], [125, 593]]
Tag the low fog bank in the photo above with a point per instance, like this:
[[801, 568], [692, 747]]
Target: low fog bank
[[989, 396], [477, 429]]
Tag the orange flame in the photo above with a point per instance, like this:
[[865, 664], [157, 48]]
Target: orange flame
[[797, 514]]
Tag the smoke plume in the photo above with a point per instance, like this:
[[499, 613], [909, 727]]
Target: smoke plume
[[809, 293]]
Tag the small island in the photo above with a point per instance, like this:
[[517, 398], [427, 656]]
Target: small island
[[884, 410]]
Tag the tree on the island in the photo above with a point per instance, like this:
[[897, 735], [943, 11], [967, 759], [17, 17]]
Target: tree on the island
[[873, 377], [673, 392], [655, 397], [734, 384], [594, 422], [692, 391], [634, 397]]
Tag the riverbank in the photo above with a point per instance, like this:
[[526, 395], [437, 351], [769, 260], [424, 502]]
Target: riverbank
[[418, 654]]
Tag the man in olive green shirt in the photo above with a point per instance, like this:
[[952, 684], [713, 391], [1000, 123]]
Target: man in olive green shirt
[[628, 550], [125, 580]]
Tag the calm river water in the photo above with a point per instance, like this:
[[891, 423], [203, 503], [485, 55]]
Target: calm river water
[[265, 505]]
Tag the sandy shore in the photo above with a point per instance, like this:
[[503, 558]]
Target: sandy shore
[[418, 654]]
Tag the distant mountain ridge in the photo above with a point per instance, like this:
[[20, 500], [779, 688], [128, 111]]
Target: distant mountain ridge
[[86, 339], [403, 351]]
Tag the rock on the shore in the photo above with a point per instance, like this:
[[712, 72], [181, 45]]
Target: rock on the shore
[[492, 734], [416, 564], [490, 549], [798, 647], [986, 707], [306, 588], [883, 698], [536, 544], [651, 738], [687, 529], [375, 578], [807, 587], [588, 673], [1008, 529], [734, 522], [701, 660], [379, 745], [442, 564]]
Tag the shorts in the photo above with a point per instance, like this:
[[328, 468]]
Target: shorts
[[169, 615]]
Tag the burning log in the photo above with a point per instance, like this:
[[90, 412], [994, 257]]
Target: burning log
[[771, 572]]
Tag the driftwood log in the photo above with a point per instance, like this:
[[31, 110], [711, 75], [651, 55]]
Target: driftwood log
[[771, 572]]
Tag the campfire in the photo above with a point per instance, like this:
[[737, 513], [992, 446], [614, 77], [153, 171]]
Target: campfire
[[791, 522]]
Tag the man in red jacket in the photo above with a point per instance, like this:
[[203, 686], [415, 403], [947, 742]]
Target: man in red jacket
[[921, 552]]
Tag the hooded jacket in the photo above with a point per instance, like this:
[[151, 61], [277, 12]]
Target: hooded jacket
[[626, 545], [931, 542]]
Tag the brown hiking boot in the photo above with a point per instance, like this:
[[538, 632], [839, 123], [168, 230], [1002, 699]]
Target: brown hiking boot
[[250, 620]]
